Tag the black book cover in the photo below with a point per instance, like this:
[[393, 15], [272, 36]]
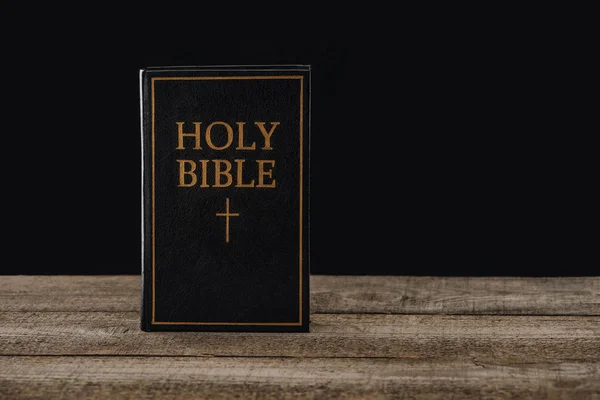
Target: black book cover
[[225, 183]]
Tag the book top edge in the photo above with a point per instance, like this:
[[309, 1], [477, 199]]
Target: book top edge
[[284, 67]]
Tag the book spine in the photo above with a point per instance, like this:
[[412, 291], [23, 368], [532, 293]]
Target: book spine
[[146, 261]]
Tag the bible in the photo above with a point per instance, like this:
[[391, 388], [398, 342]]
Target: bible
[[225, 198]]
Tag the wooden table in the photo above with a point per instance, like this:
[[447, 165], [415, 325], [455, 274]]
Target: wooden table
[[78, 337]]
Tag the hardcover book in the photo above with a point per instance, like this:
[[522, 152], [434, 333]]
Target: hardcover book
[[225, 198]]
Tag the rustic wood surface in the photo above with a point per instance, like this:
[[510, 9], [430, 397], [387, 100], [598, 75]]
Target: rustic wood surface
[[372, 337], [335, 294]]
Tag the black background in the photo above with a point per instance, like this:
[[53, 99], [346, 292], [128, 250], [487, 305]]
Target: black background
[[435, 150]]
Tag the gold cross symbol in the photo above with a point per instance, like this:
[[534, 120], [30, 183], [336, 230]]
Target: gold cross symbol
[[227, 215]]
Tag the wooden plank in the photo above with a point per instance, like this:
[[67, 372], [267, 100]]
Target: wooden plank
[[334, 294], [457, 295], [220, 378], [70, 293], [441, 337]]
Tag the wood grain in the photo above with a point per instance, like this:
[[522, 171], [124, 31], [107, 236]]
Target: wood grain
[[78, 337], [456, 295], [199, 378], [443, 337], [335, 294]]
